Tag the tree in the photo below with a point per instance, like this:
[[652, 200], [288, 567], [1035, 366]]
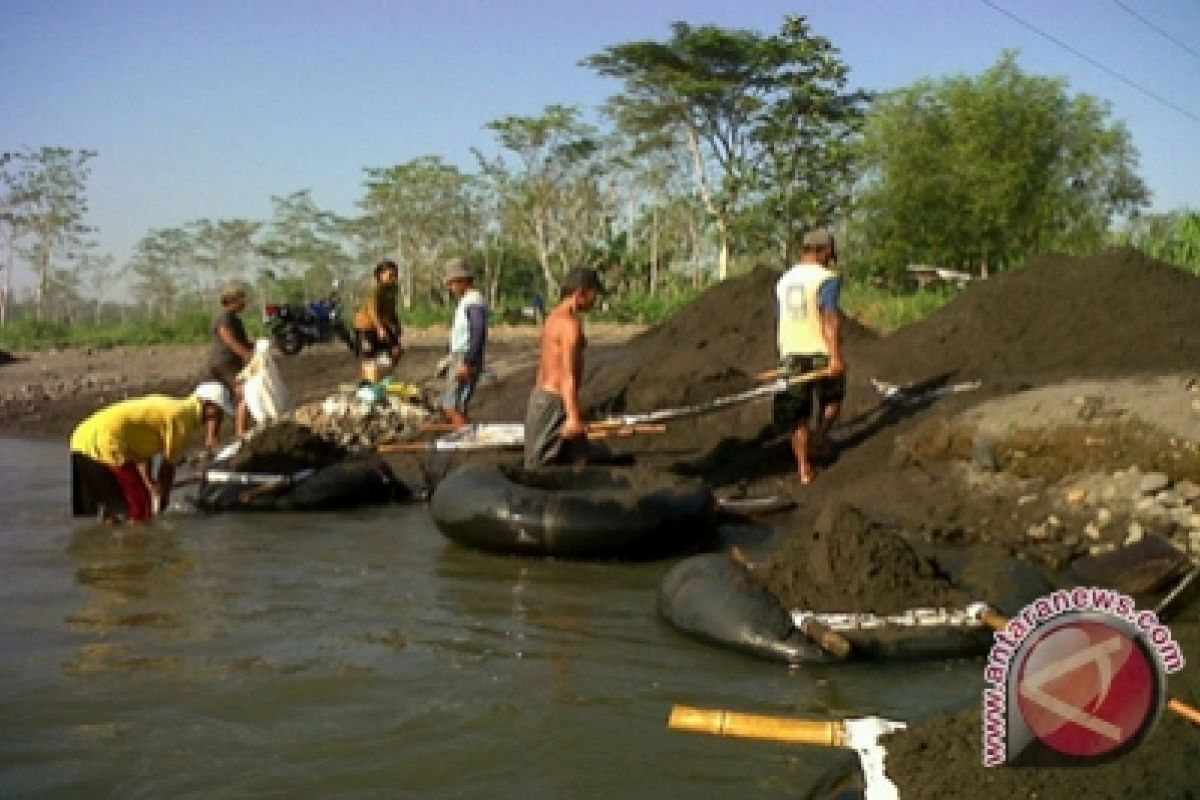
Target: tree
[[1173, 237], [44, 206], [556, 195], [302, 241], [425, 209], [752, 109], [981, 173], [160, 264]]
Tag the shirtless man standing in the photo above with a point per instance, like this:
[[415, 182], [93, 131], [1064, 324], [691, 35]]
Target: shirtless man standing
[[554, 428]]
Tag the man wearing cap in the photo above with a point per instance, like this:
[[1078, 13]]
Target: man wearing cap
[[377, 323], [113, 449], [809, 337], [229, 353], [468, 337], [554, 428]]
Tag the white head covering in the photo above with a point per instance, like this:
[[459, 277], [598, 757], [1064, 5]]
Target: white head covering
[[215, 393]]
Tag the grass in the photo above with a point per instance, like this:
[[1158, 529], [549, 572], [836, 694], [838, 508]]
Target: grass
[[874, 307], [885, 311]]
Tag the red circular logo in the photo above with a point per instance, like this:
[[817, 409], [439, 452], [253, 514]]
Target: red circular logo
[[1087, 687]]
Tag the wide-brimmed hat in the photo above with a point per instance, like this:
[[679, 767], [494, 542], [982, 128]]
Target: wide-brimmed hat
[[456, 269], [215, 393]]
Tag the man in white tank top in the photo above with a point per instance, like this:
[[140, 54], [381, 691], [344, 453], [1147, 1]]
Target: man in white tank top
[[809, 339]]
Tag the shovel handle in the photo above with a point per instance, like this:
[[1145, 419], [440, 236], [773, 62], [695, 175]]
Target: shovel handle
[[1188, 712], [717, 722]]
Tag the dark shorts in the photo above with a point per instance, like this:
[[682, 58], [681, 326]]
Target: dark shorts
[[797, 404], [369, 344], [458, 393], [98, 490], [545, 417]]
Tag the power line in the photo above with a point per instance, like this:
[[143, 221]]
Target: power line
[[1158, 30], [1093, 62]]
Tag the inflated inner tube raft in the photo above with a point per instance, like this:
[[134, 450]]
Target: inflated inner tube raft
[[714, 598], [590, 513], [345, 484]]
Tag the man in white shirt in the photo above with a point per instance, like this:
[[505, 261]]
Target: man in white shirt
[[468, 337], [809, 339]]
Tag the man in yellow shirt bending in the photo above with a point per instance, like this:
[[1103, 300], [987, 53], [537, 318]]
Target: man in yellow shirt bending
[[112, 451]]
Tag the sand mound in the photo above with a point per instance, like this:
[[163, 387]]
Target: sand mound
[[1113, 313], [848, 564], [285, 447]]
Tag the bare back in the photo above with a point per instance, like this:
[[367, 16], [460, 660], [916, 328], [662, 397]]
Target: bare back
[[561, 362]]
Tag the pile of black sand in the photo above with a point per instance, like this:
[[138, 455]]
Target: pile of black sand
[[1117, 312], [285, 447], [846, 563], [941, 759], [1058, 317]]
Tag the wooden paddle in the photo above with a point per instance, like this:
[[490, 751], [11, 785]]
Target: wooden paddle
[[998, 622]]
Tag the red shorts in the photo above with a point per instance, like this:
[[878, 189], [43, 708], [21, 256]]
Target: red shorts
[[137, 498]]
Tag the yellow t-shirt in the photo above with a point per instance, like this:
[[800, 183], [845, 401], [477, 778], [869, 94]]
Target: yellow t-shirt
[[138, 429], [798, 294]]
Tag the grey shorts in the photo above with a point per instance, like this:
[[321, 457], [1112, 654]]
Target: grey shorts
[[545, 418], [457, 394]]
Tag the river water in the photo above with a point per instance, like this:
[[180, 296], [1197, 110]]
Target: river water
[[362, 655]]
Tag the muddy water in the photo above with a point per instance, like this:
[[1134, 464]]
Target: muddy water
[[361, 655]]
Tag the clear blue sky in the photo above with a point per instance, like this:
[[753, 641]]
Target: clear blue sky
[[206, 108]]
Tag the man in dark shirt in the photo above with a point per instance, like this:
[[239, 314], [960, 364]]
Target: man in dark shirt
[[229, 352]]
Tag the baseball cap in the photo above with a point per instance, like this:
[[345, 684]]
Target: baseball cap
[[215, 393], [581, 278], [456, 269], [819, 238]]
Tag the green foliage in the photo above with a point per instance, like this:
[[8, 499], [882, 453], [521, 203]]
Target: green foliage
[[1173, 237], [885, 310], [192, 327], [979, 173], [643, 308]]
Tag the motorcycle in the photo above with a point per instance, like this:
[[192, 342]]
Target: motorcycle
[[294, 325]]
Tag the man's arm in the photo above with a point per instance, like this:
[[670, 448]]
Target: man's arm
[[231, 341], [166, 479], [572, 354], [829, 298]]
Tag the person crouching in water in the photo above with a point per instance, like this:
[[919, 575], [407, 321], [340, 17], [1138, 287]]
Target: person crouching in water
[[809, 337], [468, 337], [229, 353], [377, 325], [554, 428], [112, 451]]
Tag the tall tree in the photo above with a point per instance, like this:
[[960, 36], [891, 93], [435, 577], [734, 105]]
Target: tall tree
[[979, 173], [425, 209], [752, 109], [44, 207], [556, 194], [303, 241]]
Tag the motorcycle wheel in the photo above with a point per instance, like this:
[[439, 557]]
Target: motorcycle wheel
[[290, 341]]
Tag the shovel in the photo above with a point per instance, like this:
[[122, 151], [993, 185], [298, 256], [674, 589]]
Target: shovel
[[860, 735], [999, 622]]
